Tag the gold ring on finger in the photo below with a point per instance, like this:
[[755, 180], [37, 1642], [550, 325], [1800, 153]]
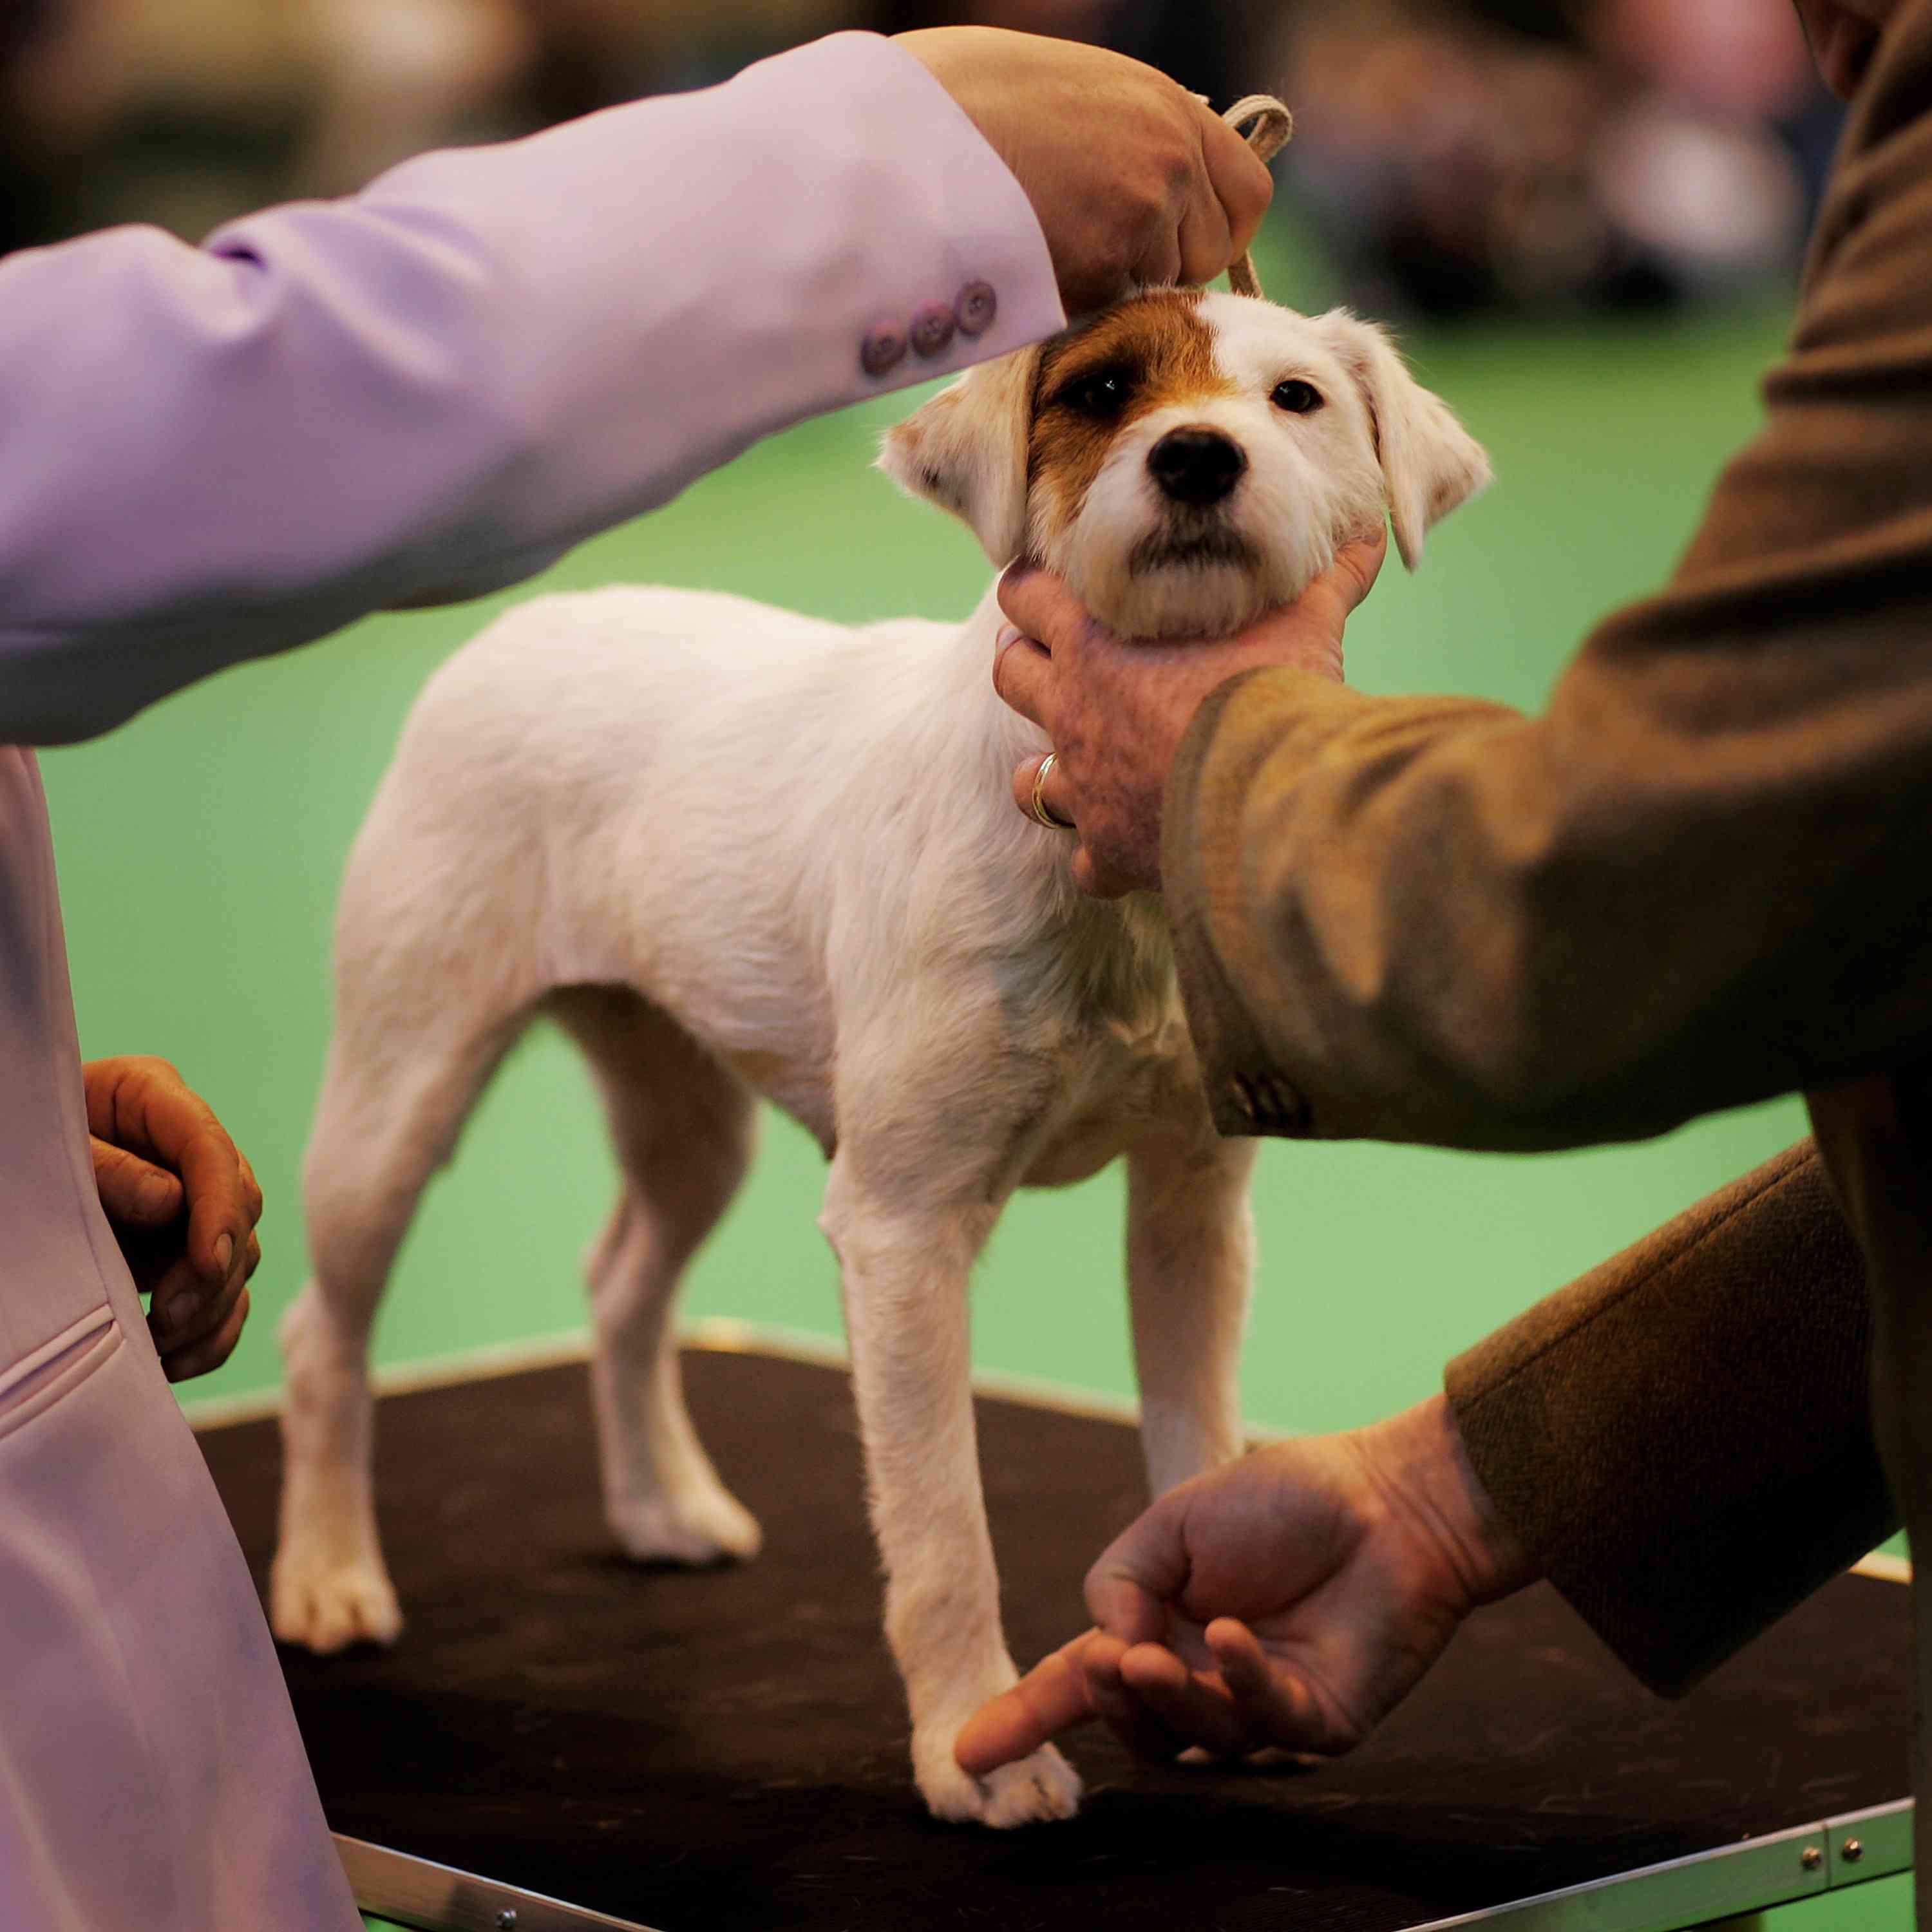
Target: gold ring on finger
[[1042, 811]]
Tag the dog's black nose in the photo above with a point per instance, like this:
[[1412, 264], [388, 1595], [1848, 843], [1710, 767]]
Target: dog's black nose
[[1197, 466]]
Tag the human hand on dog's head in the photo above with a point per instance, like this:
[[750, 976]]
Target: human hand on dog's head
[[1134, 180], [1289, 1600], [1116, 708]]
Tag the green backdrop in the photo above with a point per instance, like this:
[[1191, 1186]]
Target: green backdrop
[[199, 849]]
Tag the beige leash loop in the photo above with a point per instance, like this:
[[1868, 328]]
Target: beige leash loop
[[1273, 125]]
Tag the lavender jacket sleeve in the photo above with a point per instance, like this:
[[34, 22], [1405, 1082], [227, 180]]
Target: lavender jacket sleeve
[[437, 386]]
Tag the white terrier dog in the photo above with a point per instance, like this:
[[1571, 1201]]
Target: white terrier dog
[[738, 852]]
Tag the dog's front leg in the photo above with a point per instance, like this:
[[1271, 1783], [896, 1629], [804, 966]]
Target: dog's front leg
[[1190, 1257], [904, 1270]]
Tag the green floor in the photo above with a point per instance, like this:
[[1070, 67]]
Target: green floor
[[199, 849]]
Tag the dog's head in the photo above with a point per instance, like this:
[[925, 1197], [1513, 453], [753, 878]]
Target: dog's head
[[1188, 460]]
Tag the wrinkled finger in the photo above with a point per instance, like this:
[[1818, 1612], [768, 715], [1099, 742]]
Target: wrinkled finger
[[1023, 678], [1051, 1698], [198, 1361], [1195, 1707], [252, 1202], [1038, 604], [1239, 179], [1097, 879], [1308, 633], [185, 1310], [219, 1220], [151, 1257], [149, 1108], [1357, 565], [178, 1297], [1206, 245], [1328, 602], [1274, 1706], [1117, 1706], [1158, 265], [175, 1291], [134, 1192], [1141, 1572]]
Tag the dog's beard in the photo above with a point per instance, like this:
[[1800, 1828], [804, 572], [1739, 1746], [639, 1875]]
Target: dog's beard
[[1178, 572], [1195, 587], [1196, 545]]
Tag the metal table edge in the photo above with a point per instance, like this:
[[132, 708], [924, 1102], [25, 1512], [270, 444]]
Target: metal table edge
[[1725, 1882], [418, 1892]]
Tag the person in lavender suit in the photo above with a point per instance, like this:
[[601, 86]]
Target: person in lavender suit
[[427, 391]]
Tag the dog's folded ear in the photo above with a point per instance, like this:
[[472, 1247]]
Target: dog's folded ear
[[966, 450], [1430, 463]]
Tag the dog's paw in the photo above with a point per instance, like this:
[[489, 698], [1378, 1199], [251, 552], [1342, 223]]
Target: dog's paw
[[327, 1607], [1037, 1789], [1041, 1787], [707, 1526]]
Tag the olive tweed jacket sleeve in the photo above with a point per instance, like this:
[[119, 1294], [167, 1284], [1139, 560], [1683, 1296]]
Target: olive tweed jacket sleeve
[[1682, 1439], [1703, 875]]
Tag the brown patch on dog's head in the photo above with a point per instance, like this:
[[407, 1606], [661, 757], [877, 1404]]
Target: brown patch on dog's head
[[1032, 430], [1153, 352]]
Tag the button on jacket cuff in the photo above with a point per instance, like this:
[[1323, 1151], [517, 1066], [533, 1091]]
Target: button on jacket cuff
[[979, 303], [932, 330], [883, 348]]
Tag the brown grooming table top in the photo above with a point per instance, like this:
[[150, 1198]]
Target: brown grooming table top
[[725, 1751]]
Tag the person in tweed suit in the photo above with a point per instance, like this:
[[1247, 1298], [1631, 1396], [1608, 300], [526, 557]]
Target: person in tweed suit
[[1701, 876]]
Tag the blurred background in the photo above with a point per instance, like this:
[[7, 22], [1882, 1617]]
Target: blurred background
[[1455, 157], [1587, 220]]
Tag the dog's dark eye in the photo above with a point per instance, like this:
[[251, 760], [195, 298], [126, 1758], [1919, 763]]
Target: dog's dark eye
[[1299, 399], [1102, 395]]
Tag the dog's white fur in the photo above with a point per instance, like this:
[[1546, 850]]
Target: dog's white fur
[[738, 852]]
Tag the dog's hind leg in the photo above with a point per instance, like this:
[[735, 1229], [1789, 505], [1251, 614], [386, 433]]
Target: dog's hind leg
[[1190, 1257], [398, 1087], [682, 1123], [435, 975]]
